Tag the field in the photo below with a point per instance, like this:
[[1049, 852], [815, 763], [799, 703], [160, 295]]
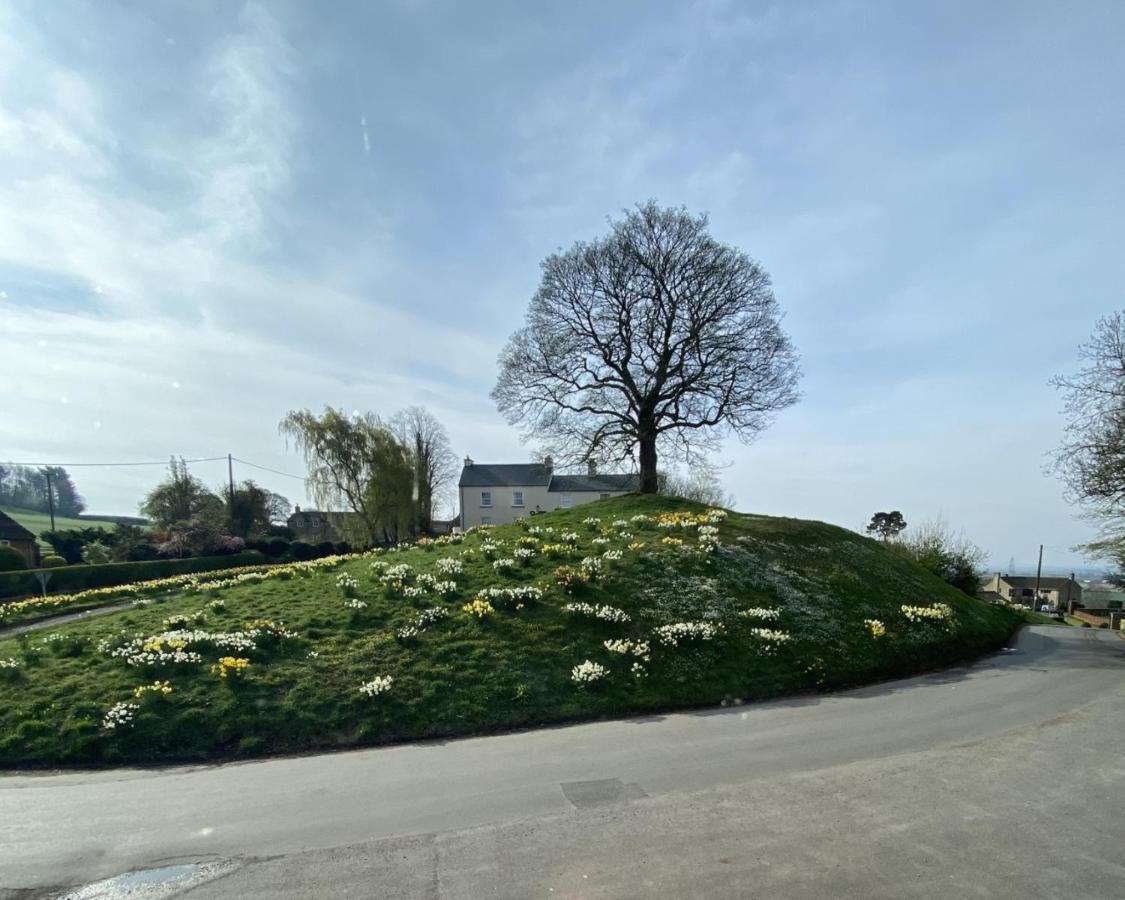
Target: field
[[37, 522], [653, 604]]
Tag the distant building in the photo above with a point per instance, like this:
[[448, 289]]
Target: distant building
[[499, 493], [1057, 592], [14, 535], [314, 526]]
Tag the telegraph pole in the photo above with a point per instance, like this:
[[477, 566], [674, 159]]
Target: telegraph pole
[[230, 475], [1038, 575], [50, 497]]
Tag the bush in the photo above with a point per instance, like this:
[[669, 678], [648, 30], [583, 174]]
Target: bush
[[341, 548], [325, 548], [11, 560], [276, 547], [95, 553], [299, 550], [952, 557], [77, 578], [51, 561]]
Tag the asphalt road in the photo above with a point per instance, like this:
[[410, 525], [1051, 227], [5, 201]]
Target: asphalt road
[[1000, 779]]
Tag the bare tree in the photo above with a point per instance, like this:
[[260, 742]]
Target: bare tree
[[1091, 458], [700, 484], [655, 338], [435, 463]]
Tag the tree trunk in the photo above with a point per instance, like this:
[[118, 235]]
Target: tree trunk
[[650, 484]]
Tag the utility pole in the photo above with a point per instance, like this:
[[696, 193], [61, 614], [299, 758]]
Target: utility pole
[[50, 497], [1038, 575], [230, 475]]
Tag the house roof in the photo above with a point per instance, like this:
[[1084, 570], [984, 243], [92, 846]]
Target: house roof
[[11, 530], [1028, 581], [502, 474], [538, 475], [599, 483]]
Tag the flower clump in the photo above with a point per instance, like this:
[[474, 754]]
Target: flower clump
[[876, 627], [228, 665], [671, 635], [508, 596], [937, 612], [479, 608], [588, 672], [163, 688], [639, 649], [571, 579], [423, 621], [119, 715], [505, 564], [349, 584], [772, 638], [760, 612], [448, 566], [599, 611], [380, 684]]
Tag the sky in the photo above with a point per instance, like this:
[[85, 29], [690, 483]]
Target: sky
[[212, 213]]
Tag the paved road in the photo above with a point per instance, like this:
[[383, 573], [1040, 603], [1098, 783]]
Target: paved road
[[996, 780]]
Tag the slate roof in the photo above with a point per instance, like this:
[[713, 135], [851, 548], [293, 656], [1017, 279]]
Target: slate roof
[[1028, 581], [502, 474], [600, 483], [538, 475], [11, 530]]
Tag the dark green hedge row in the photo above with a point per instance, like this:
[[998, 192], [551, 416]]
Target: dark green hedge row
[[69, 579]]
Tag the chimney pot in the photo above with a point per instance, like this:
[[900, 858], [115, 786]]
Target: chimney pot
[[468, 460], [591, 467], [548, 463]]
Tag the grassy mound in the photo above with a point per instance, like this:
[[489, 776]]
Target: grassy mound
[[554, 619]]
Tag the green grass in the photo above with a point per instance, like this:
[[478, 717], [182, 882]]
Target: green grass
[[37, 522], [511, 669]]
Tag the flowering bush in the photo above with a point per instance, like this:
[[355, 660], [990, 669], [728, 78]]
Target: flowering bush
[[877, 628], [230, 665], [401, 573], [592, 567], [529, 543], [588, 672], [523, 555], [641, 521], [671, 635], [612, 555], [569, 537], [119, 715], [504, 565], [603, 612], [592, 522], [422, 622], [479, 608], [490, 548], [619, 523], [355, 603], [511, 596], [570, 579], [380, 684], [554, 551]]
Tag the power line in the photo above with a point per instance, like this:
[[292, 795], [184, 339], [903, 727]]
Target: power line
[[268, 469], [74, 465]]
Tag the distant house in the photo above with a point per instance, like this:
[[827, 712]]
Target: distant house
[[14, 535], [314, 526], [1057, 592], [499, 493]]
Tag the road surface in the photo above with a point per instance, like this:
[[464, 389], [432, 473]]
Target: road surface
[[1000, 779]]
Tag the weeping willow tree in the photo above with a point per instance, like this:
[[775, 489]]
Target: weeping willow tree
[[355, 463]]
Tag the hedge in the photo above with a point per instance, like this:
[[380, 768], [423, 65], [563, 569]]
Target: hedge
[[69, 579]]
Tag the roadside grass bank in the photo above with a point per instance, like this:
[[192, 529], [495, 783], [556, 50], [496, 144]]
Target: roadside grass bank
[[629, 605]]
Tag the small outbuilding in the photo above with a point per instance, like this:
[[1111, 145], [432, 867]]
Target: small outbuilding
[[14, 535]]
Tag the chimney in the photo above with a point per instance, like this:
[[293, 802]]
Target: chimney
[[468, 460], [548, 464], [591, 468]]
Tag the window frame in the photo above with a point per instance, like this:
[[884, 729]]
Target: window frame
[[486, 499], [517, 498]]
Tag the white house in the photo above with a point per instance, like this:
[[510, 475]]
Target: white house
[[499, 493]]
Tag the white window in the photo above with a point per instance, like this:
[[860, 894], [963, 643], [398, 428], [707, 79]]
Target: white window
[[566, 501], [486, 498], [517, 498], [486, 520]]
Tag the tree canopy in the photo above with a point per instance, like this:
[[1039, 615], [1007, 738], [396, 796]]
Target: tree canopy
[[653, 339], [886, 524], [180, 497]]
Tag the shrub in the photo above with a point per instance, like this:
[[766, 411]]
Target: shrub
[[325, 548], [51, 561], [299, 550], [95, 553], [76, 578], [341, 548], [11, 560]]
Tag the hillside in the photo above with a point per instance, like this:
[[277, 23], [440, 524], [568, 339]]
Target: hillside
[[37, 522], [658, 604]]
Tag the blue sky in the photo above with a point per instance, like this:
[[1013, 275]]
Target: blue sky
[[211, 213]]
